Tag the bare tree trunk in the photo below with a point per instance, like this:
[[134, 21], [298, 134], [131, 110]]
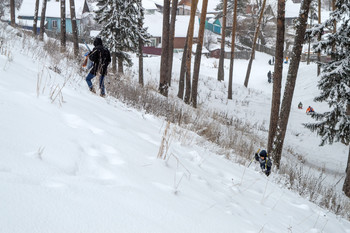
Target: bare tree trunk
[[42, 20], [254, 44], [290, 85], [171, 39], [221, 73], [74, 28], [319, 39], [13, 10], [197, 60], [120, 66], [277, 76], [163, 82], [232, 60], [140, 53], [346, 185], [334, 26], [140, 64], [63, 26], [36, 12], [180, 93], [309, 42], [189, 51], [114, 62]]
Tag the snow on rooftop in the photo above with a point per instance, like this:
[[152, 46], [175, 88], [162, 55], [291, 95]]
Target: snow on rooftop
[[292, 9], [52, 8], [149, 5], [154, 24]]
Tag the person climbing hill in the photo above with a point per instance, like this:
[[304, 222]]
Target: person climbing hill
[[265, 162], [101, 58]]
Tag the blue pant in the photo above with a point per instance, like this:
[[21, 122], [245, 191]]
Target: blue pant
[[102, 85]]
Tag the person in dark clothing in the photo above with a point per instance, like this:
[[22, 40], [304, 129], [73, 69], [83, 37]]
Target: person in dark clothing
[[101, 58], [269, 76], [265, 162]]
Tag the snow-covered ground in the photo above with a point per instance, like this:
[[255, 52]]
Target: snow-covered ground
[[72, 161]]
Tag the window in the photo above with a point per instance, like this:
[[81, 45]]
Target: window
[[54, 23]]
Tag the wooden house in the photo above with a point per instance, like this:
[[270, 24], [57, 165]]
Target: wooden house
[[53, 15]]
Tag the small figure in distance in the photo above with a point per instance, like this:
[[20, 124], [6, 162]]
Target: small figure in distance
[[300, 105], [309, 110], [265, 162], [269, 76]]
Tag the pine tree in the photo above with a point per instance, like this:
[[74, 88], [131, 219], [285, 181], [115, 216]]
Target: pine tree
[[334, 125], [241, 7], [121, 31]]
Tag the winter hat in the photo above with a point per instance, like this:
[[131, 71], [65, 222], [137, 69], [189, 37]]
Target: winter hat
[[97, 41], [263, 153]]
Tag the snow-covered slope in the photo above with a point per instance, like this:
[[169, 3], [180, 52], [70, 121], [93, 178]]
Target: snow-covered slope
[[81, 163]]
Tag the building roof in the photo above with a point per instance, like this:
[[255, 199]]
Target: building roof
[[52, 8], [154, 24], [149, 5], [292, 9]]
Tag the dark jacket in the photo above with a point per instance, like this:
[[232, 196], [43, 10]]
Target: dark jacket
[[101, 58], [264, 160]]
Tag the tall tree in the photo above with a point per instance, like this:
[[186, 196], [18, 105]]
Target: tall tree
[[319, 39], [232, 59], [278, 70], [63, 26], [163, 83], [334, 125], [189, 51], [290, 84], [42, 20], [120, 30], [36, 13], [254, 44], [221, 73], [171, 39], [13, 16], [140, 52], [198, 57], [181, 91], [73, 19]]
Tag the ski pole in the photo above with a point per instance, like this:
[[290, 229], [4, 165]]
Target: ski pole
[[253, 158], [87, 46]]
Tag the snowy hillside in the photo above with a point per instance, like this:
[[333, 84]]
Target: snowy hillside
[[71, 161]]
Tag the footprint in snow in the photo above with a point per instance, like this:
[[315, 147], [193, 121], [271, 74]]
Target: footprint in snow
[[76, 122]]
